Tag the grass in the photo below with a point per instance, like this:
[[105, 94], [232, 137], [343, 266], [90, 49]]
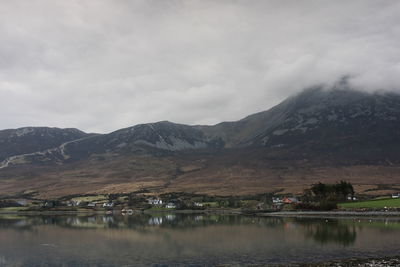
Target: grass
[[158, 209], [211, 204], [379, 203], [91, 198], [8, 209]]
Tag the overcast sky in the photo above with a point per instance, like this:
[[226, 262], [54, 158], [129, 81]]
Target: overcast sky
[[101, 65]]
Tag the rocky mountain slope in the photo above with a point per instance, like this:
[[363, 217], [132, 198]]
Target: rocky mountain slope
[[33, 139], [154, 138], [289, 146], [324, 119]]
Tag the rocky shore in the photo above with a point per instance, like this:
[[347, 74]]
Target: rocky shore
[[379, 262]]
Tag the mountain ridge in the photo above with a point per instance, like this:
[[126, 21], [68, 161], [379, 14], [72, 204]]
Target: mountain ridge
[[291, 119], [286, 146]]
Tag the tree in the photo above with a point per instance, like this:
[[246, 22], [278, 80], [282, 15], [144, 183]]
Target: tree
[[333, 192], [319, 190], [344, 189]]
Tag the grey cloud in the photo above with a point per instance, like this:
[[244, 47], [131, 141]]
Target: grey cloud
[[102, 65]]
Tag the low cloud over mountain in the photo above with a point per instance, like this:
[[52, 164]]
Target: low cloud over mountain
[[103, 65]]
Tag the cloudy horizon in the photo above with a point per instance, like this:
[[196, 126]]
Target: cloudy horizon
[[103, 65]]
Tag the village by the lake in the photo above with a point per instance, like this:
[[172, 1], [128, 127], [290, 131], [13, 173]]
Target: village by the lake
[[320, 197], [199, 133]]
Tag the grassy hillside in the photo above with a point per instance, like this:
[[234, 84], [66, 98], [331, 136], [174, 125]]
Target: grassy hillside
[[380, 203], [226, 173]]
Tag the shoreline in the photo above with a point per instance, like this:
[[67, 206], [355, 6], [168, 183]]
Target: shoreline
[[330, 214], [115, 212], [371, 262], [305, 214]]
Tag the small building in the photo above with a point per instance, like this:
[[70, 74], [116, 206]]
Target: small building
[[351, 198], [22, 202], [396, 195], [108, 205], [155, 201], [290, 200], [73, 203], [277, 200], [170, 206], [49, 204], [92, 204]]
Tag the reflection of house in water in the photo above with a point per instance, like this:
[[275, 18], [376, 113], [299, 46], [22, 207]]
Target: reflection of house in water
[[155, 221], [73, 221], [170, 217], [91, 219], [108, 219], [289, 225], [21, 223], [89, 222], [198, 218]]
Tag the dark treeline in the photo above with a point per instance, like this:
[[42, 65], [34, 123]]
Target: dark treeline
[[326, 196]]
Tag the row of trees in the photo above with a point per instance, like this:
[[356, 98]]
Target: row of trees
[[326, 196], [338, 191]]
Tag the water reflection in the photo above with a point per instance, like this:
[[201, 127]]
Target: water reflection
[[189, 239], [139, 221], [329, 231]]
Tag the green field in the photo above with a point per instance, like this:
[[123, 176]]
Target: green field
[[91, 198], [12, 209], [379, 203]]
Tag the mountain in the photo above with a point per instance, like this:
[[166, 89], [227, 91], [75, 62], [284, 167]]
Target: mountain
[[325, 118], [160, 136], [154, 138], [32, 139], [316, 135]]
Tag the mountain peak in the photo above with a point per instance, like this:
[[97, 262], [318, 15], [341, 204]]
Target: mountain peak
[[32, 139]]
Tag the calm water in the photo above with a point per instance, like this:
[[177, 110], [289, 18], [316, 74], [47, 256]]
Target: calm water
[[189, 240]]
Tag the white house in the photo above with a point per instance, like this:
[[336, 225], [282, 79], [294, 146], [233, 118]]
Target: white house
[[108, 205], [73, 203], [351, 198], [170, 206], [155, 201], [22, 202]]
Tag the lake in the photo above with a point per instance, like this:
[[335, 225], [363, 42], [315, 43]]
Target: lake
[[178, 239]]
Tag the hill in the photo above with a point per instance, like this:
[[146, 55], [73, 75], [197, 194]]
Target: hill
[[317, 135], [32, 139]]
